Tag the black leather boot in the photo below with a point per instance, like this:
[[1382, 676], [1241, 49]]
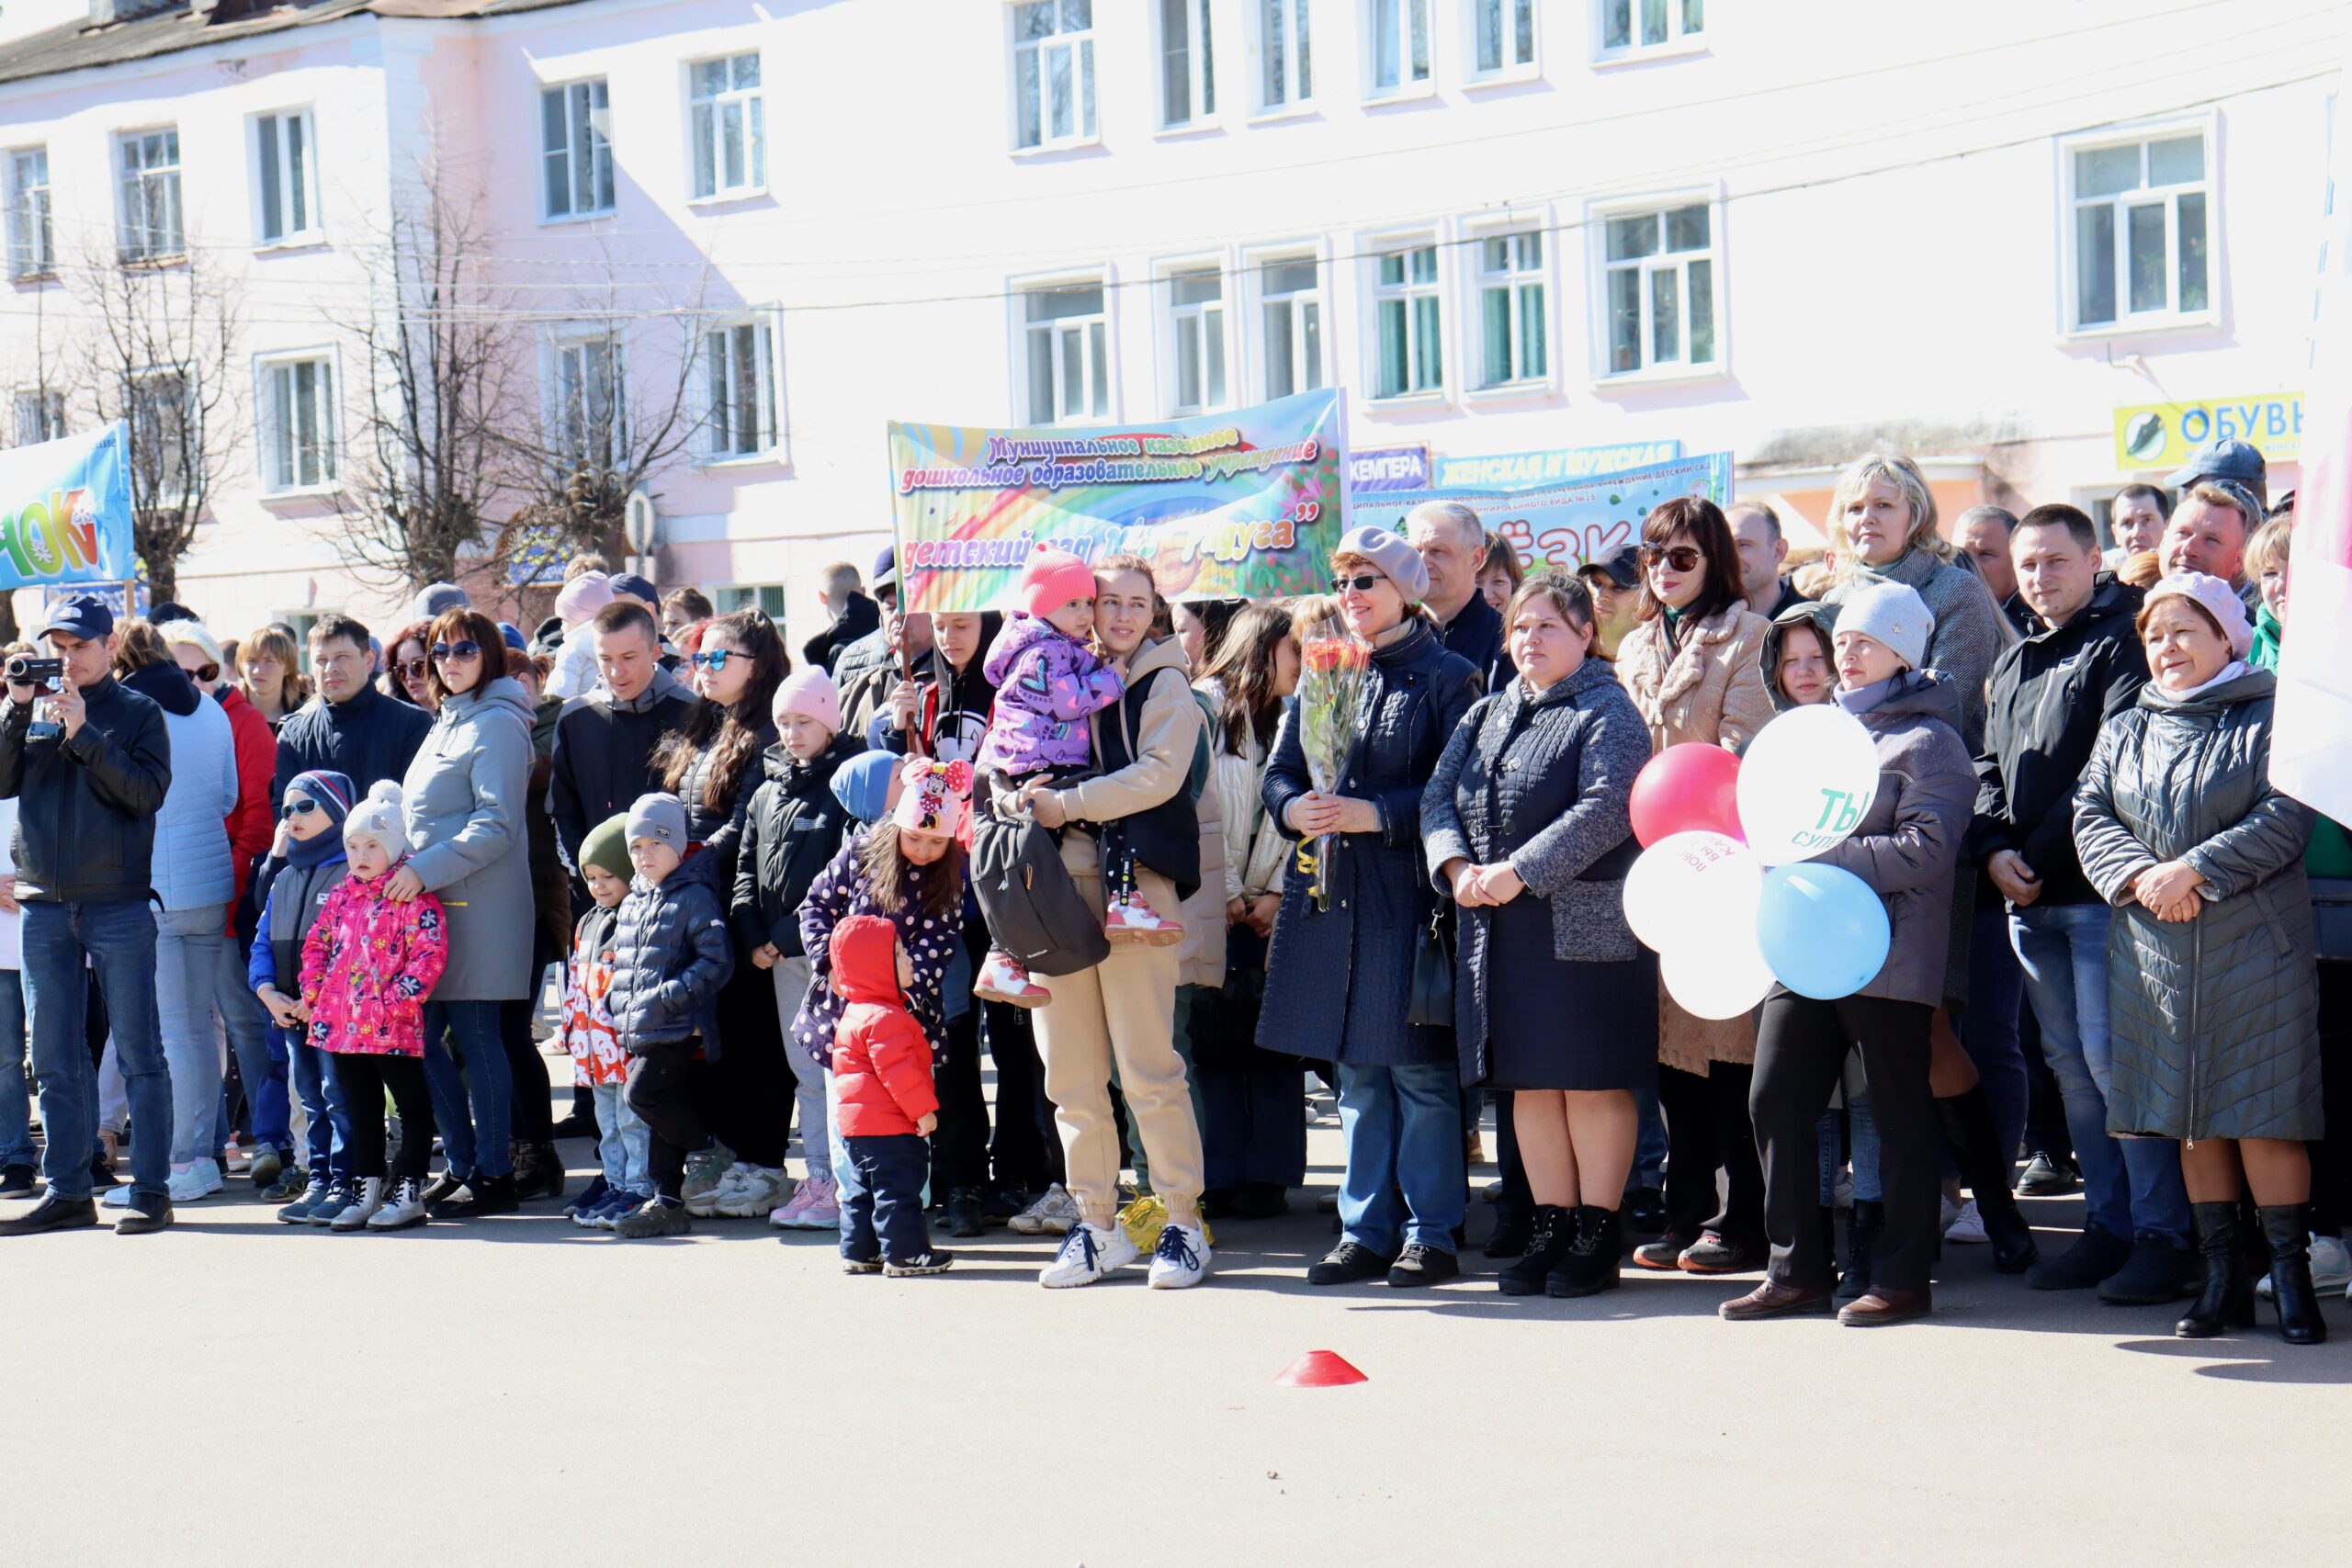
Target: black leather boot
[[2287, 1229], [1985, 1166], [1552, 1233], [2226, 1299], [1861, 1234], [1590, 1266]]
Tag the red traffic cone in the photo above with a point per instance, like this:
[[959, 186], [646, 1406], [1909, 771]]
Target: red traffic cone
[[1319, 1369]]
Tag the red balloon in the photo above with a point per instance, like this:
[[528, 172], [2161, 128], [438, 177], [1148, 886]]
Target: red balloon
[[1689, 789]]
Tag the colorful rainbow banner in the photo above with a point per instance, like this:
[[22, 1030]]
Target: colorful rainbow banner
[[1244, 505], [1566, 525], [66, 511]]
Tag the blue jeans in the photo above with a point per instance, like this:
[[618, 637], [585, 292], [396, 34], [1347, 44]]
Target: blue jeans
[[1988, 1027], [117, 939], [188, 944], [261, 1069], [2131, 1186], [882, 1199], [328, 1141], [1403, 1185], [476, 1144], [625, 1143], [15, 1103]]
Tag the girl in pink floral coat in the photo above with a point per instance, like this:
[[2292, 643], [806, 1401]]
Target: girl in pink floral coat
[[368, 965]]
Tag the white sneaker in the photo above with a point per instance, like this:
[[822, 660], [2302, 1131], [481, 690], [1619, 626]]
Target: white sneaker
[[2331, 1267], [708, 1174], [403, 1207], [1181, 1258], [1086, 1256], [1964, 1226], [366, 1196], [1056, 1211], [760, 1190], [198, 1178]]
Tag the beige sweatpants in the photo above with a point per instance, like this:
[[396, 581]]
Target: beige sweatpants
[[1124, 1007]]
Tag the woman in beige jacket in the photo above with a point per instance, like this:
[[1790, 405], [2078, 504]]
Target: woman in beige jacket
[[1695, 670]]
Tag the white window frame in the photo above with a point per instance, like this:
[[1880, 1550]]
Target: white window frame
[[1200, 66], [1478, 280], [1275, 54], [1258, 302], [726, 598], [46, 405], [1508, 66], [2128, 323], [561, 347], [767, 390], [1411, 290], [144, 236], [1055, 328], [1040, 54], [1678, 41], [1208, 326], [598, 145], [273, 173], [270, 447], [707, 124], [1596, 217], [1407, 13], [32, 228]]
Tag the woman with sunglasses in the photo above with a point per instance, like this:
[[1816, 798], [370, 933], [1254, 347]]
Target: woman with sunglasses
[[1339, 974], [712, 764], [467, 796], [407, 663], [1693, 667]]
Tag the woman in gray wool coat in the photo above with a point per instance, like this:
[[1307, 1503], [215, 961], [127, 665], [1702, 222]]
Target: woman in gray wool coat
[[1525, 825], [2213, 994]]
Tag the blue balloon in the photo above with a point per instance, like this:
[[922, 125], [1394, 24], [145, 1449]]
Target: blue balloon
[[1823, 933]]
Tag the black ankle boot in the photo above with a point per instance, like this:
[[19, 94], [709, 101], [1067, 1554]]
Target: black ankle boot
[[1862, 1235], [1984, 1166], [1553, 1231], [1590, 1266], [2287, 1229], [2226, 1299]]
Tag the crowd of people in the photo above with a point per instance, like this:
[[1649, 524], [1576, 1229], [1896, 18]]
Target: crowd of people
[[290, 905]]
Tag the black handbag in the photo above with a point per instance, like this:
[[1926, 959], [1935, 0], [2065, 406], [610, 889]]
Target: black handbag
[[1430, 1004]]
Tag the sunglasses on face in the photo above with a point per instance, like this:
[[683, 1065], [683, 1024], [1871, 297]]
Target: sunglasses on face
[[297, 806], [715, 659], [412, 668], [1681, 558], [448, 653], [1363, 583]]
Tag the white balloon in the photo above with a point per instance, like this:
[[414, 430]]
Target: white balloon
[[1693, 889], [1718, 980], [1805, 783]]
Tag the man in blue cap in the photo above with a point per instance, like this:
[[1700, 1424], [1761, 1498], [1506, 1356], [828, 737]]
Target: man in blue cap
[[2238, 462], [89, 778]]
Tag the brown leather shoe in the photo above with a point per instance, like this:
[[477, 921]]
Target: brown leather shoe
[[1883, 1305], [1772, 1300]]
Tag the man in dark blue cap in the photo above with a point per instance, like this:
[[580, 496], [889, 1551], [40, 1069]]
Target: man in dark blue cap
[[898, 646], [88, 773], [2238, 462]]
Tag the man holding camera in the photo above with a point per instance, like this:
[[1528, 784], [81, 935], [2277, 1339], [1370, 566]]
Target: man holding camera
[[88, 762]]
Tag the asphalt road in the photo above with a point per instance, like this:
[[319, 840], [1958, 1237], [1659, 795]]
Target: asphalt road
[[515, 1391]]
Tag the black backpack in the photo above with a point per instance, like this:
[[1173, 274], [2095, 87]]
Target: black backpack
[[1034, 910]]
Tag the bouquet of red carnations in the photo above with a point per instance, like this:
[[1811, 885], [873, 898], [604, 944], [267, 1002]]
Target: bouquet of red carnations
[[1332, 676]]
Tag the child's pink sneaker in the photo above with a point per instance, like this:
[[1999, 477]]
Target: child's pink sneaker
[[824, 1210], [1004, 979], [1133, 919]]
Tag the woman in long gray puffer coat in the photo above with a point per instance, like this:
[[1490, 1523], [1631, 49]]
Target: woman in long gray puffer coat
[[2213, 993]]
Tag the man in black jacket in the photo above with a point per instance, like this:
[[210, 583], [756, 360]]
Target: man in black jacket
[[850, 615], [1452, 543], [603, 743], [352, 728], [89, 780], [880, 646], [2050, 696]]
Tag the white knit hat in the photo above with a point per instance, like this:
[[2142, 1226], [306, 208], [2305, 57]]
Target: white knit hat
[[1894, 616], [382, 817]]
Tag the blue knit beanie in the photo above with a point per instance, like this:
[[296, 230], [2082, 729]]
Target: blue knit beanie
[[863, 784]]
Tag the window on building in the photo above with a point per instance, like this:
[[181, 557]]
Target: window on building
[[738, 389], [165, 421], [1285, 53], [287, 174], [1401, 45], [1505, 35], [1412, 335], [576, 148], [1660, 289], [1510, 308], [151, 195], [590, 412], [729, 126], [1053, 72], [298, 423], [32, 246], [1196, 306], [2142, 234], [41, 416], [1629, 27], [1068, 353], [1291, 306], [766, 597], [1187, 64]]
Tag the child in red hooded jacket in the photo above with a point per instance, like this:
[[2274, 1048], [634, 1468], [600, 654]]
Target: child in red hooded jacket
[[882, 1076]]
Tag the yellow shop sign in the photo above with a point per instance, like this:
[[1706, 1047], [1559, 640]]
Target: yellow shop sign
[[2166, 435]]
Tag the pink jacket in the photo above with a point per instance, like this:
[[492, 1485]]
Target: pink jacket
[[368, 965]]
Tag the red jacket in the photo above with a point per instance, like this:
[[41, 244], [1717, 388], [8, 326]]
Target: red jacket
[[251, 826], [881, 1061]]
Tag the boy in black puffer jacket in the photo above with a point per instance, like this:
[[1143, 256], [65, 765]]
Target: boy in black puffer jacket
[[670, 957]]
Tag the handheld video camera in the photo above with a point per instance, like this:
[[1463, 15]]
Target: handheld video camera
[[41, 674]]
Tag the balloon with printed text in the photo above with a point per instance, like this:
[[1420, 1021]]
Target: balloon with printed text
[[1693, 890], [1689, 789], [1805, 783]]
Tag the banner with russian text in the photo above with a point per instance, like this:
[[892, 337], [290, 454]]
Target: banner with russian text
[[66, 511], [1566, 525], [1243, 504]]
